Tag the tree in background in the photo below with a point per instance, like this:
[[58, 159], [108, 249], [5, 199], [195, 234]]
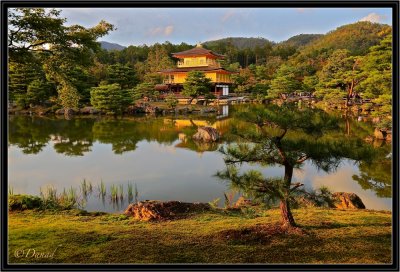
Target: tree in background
[[310, 83], [110, 98], [171, 101], [285, 81], [21, 75], [196, 84], [40, 34], [143, 90], [342, 74], [285, 136], [38, 92], [158, 59], [121, 74], [244, 81], [377, 69]]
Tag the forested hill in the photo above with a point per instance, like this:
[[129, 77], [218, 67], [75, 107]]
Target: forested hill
[[240, 42], [301, 40], [357, 38], [111, 46]]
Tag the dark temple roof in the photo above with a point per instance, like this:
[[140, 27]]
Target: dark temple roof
[[188, 69], [196, 52]]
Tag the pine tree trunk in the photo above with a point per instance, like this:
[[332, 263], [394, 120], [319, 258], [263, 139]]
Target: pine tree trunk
[[286, 214]]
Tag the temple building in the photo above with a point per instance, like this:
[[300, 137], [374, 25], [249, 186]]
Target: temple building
[[197, 59]]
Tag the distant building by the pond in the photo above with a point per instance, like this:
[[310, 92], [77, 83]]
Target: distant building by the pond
[[197, 59]]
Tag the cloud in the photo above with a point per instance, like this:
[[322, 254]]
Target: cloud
[[227, 15], [373, 18], [301, 10], [168, 30]]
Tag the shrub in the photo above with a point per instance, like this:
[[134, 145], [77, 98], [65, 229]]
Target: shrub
[[24, 202]]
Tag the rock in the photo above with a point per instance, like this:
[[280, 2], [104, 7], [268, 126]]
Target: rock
[[342, 200], [135, 109], [242, 202], [151, 210], [89, 110], [67, 112], [380, 134], [206, 134], [208, 110], [151, 109], [389, 136], [369, 139], [376, 120], [59, 111]]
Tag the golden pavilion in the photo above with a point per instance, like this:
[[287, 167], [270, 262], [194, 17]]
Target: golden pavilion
[[197, 59]]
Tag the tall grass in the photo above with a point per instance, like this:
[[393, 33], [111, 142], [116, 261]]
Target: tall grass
[[133, 193], [49, 197], [49, 194], [228, 199], [136, 194], [10, 190], [102, 189], [121, 191], [130, 192], [86, 188], [114, 192]]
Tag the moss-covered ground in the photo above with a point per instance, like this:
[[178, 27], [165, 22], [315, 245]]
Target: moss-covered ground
[[330, 236]]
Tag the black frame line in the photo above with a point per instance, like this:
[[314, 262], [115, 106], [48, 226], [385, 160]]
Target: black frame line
[[393, 4]]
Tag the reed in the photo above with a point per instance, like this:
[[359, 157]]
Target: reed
[[130, 192], [114, 192], [49, 193], [72, 195], [121, 191], [136, 194], [10, 190], [102, 189], [86, 188]]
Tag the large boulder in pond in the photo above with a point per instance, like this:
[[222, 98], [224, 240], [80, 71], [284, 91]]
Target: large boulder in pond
[[342, 200], [206, 134], [151, 210]]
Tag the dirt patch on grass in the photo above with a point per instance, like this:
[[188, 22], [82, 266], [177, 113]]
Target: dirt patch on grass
[[259, 234]]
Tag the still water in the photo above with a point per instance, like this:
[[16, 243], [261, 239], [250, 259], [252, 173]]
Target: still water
[[157, 155]]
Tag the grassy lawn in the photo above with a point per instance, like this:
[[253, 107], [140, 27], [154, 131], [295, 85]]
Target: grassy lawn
[[332, 236]]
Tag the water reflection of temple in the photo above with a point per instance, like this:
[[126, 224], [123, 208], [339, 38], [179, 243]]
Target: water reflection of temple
[[184, 135], [223, 112], [220, 125]]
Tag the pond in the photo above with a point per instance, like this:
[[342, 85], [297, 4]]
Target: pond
[[156, 157]]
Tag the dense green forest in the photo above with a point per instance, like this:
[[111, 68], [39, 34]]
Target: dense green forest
[[51, 64]]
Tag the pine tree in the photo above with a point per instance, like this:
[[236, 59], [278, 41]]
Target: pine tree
[[285, 136], [196, 84], [110, 98]]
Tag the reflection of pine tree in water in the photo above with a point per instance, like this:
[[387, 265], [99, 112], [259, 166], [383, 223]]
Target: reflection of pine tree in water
[[377, 175]]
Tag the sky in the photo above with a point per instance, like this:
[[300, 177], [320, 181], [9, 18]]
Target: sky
[[137, 26]]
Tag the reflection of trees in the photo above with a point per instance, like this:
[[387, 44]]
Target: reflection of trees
[[121, 135], [72, 137], [377, 175], [28, 133], [124, 135]]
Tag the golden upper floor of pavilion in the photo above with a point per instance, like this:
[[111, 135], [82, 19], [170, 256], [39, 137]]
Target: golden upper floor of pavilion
[[198, 57]]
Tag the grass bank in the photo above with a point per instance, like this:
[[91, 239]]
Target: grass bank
[[332, 236]]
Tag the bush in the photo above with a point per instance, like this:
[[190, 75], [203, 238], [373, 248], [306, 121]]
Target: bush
[[24, 202], [171, 101], [110, 98]]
